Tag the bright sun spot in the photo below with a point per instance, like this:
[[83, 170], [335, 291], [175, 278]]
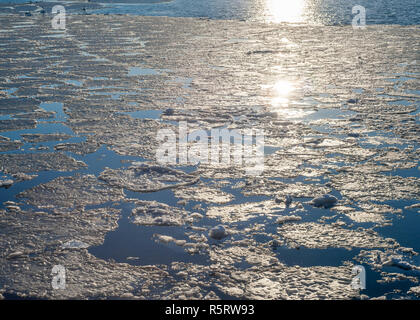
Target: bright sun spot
[[283, 88], [281, 92], [285, 10]]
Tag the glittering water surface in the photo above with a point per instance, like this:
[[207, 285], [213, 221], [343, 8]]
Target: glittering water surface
[[324, 12]]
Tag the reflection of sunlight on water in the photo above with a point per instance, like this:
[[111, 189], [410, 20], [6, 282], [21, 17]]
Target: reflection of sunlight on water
[[285, 10], [293, 113], [280, 93], [283, 88]]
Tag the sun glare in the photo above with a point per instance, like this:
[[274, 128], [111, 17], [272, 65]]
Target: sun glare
[[285, 10], [283, 88]]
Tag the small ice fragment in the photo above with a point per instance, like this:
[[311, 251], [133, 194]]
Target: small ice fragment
[[9, 203], [169, 112], [414, 290], [20, 176], [133, 258], [218, 232], [13, 208], [413, 206], [75, 244], [6, 183], [180, 242], [287, 200], [196, 215], [285, 219], [164, 239], [275, 243], [15, 255], [326, 201], [397, 262]]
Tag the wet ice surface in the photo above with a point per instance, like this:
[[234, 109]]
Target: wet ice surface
[[80, 185]]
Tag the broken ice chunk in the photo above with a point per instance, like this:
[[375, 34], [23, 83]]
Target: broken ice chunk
[[218, 232], [169, 112], [326, 201], [145, 177], [156, 213], [285, 219], [6, 183], [163, 238], [288, 200], [397, 262], [415, 291], [74, 244], [352, 100], [15, 254]]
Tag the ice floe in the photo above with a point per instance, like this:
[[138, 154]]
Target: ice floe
[[158, 214], [71, 192], [144, 177], [218, 232], [6, 183], [314, 235], [203, 193], [326, 201], [75, 244], [33, 162]]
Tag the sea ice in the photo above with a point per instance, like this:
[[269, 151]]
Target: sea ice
[[145, 177], [74, 244], [6, 183], [284, 219], [156, 213], [218, 232], [326, 201], [287, 201]]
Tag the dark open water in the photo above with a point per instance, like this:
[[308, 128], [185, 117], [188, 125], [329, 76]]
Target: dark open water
[[325, 12]]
